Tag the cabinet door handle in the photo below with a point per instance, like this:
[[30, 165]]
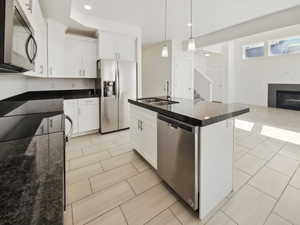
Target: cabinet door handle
[[140, 125], [51, 71], [51, 123], [29, 5]]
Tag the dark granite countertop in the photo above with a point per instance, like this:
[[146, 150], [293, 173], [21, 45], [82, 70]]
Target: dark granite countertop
[[32, 144], [194, 112], [64, 94]]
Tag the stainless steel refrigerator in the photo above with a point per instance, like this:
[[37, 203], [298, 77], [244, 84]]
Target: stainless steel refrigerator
[[117, 82]]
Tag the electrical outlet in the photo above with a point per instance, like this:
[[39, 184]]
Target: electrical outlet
[[73, 85]]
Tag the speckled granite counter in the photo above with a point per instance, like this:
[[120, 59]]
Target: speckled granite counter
[[55, 94], [32, 147], [194, 112]]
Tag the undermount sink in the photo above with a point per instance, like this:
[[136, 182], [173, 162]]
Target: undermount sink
[[150, 100], [158, 101], [166, 102]]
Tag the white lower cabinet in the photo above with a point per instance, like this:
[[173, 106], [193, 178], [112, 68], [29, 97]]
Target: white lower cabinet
[[88, 118], [71, 110], [143, 133], [84, 114]]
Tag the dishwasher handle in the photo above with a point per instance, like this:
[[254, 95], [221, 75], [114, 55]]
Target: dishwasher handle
[[176, 124]]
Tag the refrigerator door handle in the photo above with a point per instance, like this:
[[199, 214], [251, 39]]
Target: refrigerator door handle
[[116, 80]]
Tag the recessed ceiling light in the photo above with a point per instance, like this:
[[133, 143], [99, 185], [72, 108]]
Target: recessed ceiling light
[[207, 54], [87, 7], [189, 24]]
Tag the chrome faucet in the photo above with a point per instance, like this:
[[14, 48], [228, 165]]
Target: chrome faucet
[[168, 90]]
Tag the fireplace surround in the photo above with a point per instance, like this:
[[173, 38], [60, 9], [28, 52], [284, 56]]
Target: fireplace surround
[[286, 96]]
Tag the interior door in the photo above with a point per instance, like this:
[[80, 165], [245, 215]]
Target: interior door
[[109, 99], [127, 89]]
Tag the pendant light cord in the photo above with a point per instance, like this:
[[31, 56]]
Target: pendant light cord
[[191, 20], [166, 19]]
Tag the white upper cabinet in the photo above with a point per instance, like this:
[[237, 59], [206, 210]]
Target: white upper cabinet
[[56, 49], [126, 48], [107, 46], [90, 58], [112, 46], [40, 31], [33, 12], [28, 8], [81, 56], [73, 62]]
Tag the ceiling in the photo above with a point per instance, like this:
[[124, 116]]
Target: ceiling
[[209, 15], [60, 10], [147, 14]]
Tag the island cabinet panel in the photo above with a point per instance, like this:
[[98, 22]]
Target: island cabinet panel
[[216, 165], [143, 133]]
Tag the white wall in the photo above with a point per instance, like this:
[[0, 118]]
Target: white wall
[[11, 85], [39, 84], [214, 69], [231, 12], [214, 15], [178, 68], [156, 69], [276, 20], [183, 71], [202, 86], [249, 79]]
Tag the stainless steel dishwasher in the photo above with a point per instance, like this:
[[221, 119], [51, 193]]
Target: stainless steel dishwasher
[[178, 145]]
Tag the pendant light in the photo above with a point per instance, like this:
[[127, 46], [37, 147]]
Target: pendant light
[[165, 50], [191, 42]]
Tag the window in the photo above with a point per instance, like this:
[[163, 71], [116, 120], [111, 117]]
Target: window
[[255, 50], [284, 46]]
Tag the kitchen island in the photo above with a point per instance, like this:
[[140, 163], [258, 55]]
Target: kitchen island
[[190, 144]]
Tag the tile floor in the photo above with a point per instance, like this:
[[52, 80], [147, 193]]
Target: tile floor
[[109, 184]]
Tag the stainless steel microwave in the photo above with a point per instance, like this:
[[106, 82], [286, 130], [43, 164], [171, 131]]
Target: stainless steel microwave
[[18, 47]]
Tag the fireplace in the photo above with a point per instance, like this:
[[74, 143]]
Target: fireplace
[[286, 96], [288, 100]]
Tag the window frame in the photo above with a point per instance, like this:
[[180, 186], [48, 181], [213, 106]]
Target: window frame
[[253, 45], [270, 42]]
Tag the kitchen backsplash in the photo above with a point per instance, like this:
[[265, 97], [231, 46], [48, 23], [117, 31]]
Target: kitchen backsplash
[[11, 85], [38, 84]]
